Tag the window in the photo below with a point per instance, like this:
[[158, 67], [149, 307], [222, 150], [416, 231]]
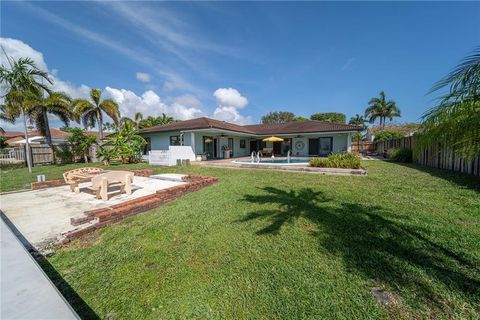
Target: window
[[175, 141], [242, 144]]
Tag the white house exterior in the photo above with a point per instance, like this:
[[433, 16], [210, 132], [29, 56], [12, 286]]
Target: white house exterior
[[211, 137]]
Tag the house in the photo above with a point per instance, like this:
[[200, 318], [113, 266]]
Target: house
[[35, 137], [211, 137]]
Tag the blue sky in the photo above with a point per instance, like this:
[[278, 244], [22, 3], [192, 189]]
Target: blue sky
[[238, 61]]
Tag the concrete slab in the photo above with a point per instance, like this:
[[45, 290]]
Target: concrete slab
[[26, 292], [42, 215]]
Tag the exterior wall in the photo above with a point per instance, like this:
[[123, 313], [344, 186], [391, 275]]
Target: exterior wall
[[340, 143], [161, 141]]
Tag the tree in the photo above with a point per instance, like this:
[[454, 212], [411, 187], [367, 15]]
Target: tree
[[80, 142], [278, 117], [38, 108], [91, 112], [332, 117], [299, 119], [456, 117], [155, 121], [357, 120], [21, 77], [125, 142], [380, 108], [3, 142]]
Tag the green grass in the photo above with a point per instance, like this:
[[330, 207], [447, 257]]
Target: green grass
[[265, 244]]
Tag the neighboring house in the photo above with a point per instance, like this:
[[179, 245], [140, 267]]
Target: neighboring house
[[210, 137], [35, 137]]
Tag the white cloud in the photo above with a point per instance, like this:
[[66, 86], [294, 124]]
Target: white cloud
[[150, 104], [142, 76], [229, 100], [230, 97]]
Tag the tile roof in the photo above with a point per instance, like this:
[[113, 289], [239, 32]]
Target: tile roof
[[256, 129]]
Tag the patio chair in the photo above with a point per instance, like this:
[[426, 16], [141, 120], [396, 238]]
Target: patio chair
[[267, 152], [103, 181], [75, 176]]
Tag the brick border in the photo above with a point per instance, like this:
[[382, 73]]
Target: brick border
[[61, 182], [99, 218]]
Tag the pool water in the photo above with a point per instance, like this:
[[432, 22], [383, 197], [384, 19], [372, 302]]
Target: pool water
[[282, 161]]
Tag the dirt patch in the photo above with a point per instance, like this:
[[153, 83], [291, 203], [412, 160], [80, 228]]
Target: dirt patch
[[82, 242], [391, 303]]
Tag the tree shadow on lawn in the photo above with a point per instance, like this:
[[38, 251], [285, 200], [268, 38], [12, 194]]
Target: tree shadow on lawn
[[372, 243]]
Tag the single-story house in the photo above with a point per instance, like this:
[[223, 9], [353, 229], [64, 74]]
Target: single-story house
[[212, 137], [35, 137]]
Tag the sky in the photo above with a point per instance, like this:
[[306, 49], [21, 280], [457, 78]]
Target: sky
[[236, 61]]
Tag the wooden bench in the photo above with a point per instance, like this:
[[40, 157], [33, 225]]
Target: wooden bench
[[75, 176], [101, 182]]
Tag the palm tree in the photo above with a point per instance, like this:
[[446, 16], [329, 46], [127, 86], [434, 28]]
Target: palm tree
[[22, 76], [156, 121], [357, 120], [91, 112], [138, 118], [380, 108], [456, 118], [38, 108]]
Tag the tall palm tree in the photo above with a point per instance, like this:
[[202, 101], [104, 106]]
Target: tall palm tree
[[91, 112], [357, 120], [22, 76], [380, 108], [38, 108]]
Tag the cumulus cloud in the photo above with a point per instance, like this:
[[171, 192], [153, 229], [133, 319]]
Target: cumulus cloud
[[142, 76], [229, 100], [18, 49], [150, 104]]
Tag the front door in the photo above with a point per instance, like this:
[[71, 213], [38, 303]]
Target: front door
[[326, 146], [313, 147]]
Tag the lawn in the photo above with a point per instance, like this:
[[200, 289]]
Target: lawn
[[265, 244]]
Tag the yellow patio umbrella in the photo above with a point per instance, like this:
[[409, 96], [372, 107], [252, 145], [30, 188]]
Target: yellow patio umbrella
[[273, 139]]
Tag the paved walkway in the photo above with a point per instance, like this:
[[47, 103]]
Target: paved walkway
[[26, 292]]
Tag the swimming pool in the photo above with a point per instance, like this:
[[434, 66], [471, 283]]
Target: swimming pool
[[275, 161]]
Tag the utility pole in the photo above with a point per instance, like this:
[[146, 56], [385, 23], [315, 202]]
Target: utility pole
[[27, 144]]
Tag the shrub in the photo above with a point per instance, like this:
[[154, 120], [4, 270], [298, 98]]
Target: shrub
[[388, 135], [346, 160], [400, 154], [64, 154]]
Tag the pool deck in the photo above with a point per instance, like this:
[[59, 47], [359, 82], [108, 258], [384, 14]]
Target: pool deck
[[228, 163]]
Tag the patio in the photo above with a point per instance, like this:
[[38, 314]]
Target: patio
[[43, 215]]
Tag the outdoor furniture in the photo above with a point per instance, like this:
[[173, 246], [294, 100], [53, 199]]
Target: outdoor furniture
[[75, 176], [267, 152], [101, 183]]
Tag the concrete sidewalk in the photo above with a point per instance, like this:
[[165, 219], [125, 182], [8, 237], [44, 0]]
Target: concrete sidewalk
[[26, 292]]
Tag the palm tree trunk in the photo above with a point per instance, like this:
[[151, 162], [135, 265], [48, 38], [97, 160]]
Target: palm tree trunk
[[27, 144], [100, 123], [48, 135]]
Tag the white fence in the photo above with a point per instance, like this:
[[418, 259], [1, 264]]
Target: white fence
[[12, 156], [169, 157]]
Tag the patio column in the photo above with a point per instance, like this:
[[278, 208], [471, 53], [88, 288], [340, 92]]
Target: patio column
[[349, 142], [192, 141]]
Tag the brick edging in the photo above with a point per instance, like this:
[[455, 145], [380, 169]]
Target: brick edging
[[99, 218]]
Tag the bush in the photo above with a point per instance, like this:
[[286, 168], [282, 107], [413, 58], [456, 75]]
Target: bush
[[388, 135], [346, 160], [400, 154]]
